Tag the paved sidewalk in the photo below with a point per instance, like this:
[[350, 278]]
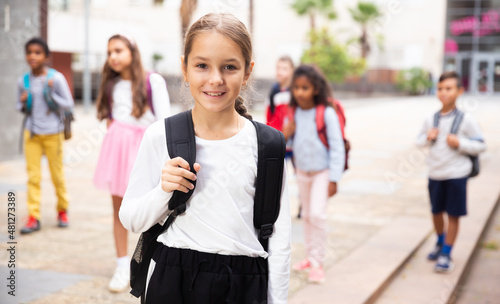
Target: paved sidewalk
[[386, 181], [481, 284]]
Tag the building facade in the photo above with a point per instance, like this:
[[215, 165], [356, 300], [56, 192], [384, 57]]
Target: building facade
[[408, 40], [472, 45]]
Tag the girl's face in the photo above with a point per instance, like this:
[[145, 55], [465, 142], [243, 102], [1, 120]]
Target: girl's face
[[304, 91], [284, 72], [119, 55], [35, 56], [215, 71]]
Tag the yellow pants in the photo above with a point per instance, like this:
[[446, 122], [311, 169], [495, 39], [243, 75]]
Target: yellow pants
[[34, 148]]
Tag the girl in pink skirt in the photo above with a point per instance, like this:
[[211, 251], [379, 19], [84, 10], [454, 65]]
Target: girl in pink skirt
[[129, 100]]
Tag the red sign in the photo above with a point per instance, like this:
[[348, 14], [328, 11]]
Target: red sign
[[487, 25]]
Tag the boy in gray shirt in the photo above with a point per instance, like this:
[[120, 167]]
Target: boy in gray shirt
[[449, 164], [43, 93]]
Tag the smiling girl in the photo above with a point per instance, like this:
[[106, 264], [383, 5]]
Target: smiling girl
[[129, 100], [211, 253]]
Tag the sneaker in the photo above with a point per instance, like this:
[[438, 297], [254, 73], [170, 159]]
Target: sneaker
[[120, 280], [31, 225], [302, 265], [444, 263], [316, 275], [62, 218], [433, 256]]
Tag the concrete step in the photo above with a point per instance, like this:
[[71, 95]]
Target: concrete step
[[392, 268], [360, 276], [417, 282]]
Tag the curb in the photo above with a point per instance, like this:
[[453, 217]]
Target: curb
[[417, 282]]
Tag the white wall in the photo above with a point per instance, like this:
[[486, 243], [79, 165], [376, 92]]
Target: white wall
[[413, 30]]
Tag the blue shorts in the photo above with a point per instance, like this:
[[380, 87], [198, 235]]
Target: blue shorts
[[449, 196]]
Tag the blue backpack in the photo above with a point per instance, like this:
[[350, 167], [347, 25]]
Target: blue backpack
[[66, 115]]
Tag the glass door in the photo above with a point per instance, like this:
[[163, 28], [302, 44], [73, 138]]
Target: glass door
[[496, 75], [485, 74], [483, 77], [460, 63]]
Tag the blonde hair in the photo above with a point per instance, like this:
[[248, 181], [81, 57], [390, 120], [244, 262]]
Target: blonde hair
[[233, 29]]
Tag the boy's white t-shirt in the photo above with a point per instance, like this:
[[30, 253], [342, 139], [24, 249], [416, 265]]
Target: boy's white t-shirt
[[219, 215]]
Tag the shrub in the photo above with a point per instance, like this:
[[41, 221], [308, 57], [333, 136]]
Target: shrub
[[331, 57], [414, 81]]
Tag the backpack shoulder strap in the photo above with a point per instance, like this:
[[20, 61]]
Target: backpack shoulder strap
[[457, 121], [29, 101], [320, 124], [291, 112], [149, 92], [26, 81], [179, 132], [50, 73], [339, 108], [437, 115], [53, 106], [109, 93], [267, 201], [180, 139]]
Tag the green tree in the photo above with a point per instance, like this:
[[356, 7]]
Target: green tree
[[414, 81], [157, 57], [331, 57], [365, 14], [313, 7]]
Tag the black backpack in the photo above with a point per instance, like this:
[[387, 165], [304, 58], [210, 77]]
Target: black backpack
[[181, 142], [454, 129]]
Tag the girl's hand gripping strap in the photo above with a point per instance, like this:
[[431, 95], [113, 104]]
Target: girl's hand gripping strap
[[179, 131]]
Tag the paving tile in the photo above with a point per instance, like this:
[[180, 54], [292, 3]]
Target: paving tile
[[33, 284], [362, 208]]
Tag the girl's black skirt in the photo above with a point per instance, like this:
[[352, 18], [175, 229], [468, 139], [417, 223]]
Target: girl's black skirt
[[189, 276]]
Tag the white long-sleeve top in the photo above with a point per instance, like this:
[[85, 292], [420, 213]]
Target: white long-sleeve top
[[122, 102], [219, 215], [443, 161]]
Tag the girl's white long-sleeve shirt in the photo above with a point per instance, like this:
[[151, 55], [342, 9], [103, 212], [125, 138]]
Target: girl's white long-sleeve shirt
[[219, 215], [122, 102], [445, 162]]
